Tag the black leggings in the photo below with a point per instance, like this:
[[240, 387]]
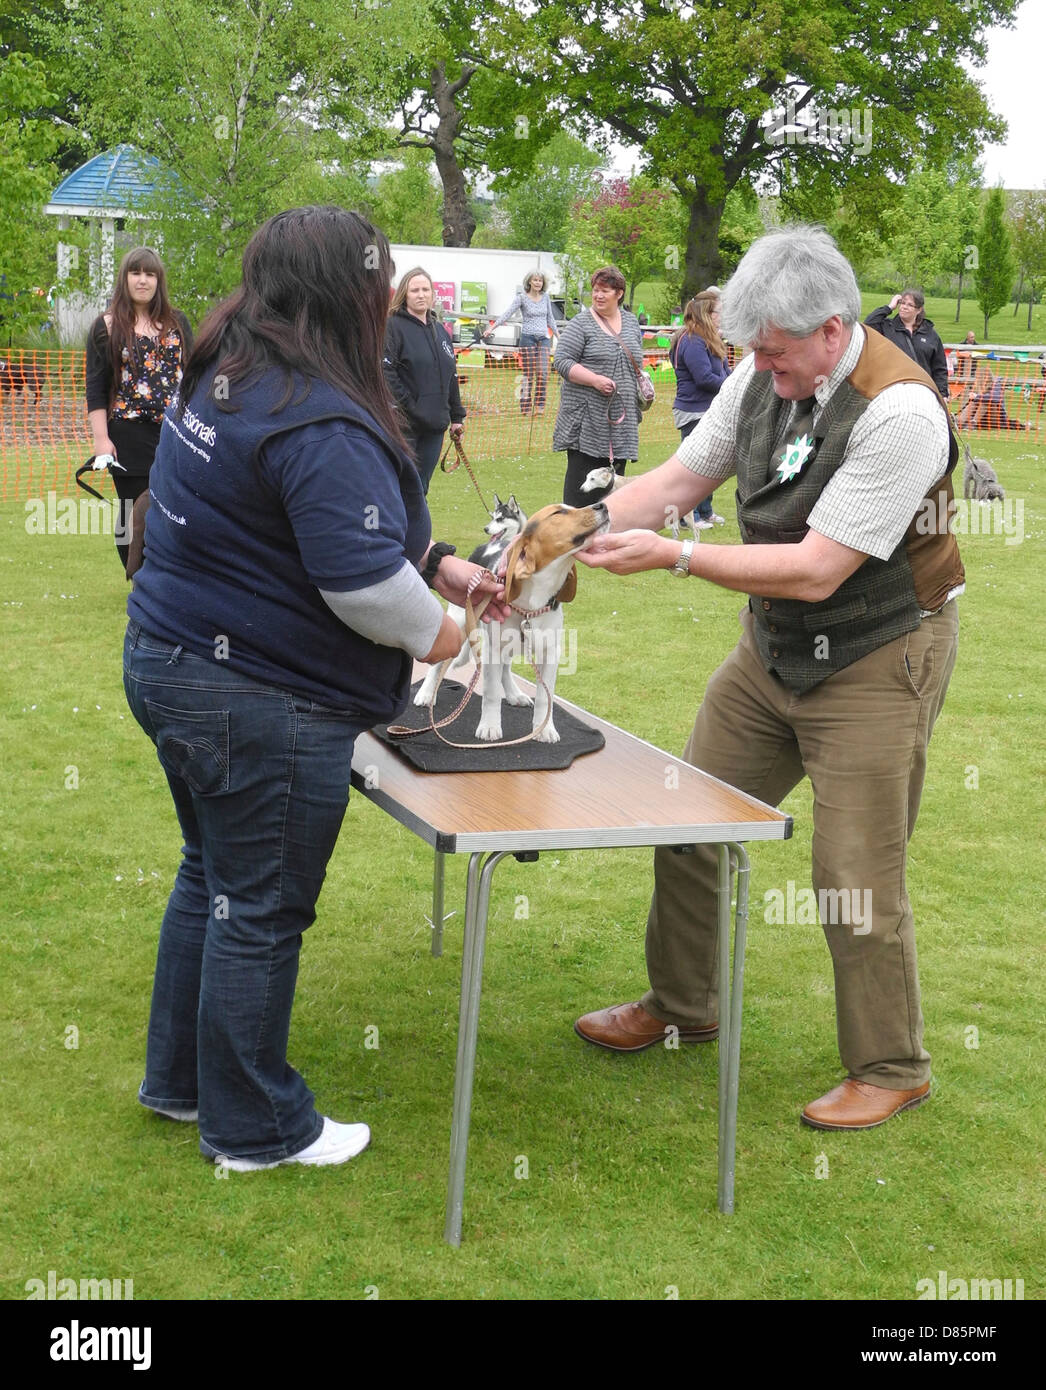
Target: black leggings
[[579, 466], [129, 487]]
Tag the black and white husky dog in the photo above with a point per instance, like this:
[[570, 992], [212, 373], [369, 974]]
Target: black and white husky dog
[[506, 522]]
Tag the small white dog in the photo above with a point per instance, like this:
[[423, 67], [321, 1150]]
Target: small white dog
[[540, 577]]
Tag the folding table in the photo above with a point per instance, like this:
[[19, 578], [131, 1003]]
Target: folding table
[[629, 793]]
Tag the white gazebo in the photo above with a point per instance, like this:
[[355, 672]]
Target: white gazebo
[[110, 188]]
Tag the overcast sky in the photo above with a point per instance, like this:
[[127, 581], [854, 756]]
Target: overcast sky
[[1013, 81]]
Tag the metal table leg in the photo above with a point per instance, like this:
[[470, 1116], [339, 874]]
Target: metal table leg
[[730, 1004], [477, 903], [437, 903]]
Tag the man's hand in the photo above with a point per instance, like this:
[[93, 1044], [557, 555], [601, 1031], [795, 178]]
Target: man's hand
[[457, 430], [452, 581], [629, 552]]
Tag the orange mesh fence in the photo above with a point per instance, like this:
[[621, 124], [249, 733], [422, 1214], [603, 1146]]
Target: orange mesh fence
[[511, 413]]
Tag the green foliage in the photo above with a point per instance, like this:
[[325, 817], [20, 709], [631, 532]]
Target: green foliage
[[993, 276], [249, 107], [405, 202], [538, 206], [1026, 220], [632, 224], [28, 145]]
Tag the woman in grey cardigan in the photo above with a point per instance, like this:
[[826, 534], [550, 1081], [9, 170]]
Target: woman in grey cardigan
[[535, 308], [598, 355]]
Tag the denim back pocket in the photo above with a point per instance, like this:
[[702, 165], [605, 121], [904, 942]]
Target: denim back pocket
[[193, 745]]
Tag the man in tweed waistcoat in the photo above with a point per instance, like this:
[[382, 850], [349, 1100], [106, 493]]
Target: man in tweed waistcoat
[[843, 457]]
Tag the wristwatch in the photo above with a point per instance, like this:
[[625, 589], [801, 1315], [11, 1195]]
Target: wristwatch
[[436, 554], [682, 565]]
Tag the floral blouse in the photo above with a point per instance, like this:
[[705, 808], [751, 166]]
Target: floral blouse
[[148, 383]]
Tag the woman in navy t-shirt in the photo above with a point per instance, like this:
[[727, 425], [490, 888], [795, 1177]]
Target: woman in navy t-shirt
[[273, 620]]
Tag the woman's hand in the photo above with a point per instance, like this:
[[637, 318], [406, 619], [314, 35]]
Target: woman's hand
[[895, 301], [605, 385], [453, 578], [629, 552], [104, 446]]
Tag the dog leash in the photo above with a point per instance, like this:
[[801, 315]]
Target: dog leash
[[462, 458], [472, 617], [97, 463]]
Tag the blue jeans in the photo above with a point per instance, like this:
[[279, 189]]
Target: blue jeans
[[533, 352], [260, 781], [703, 510]]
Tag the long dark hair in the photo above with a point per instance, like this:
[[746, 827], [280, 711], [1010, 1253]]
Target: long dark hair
[[313, 301], [123, 313]]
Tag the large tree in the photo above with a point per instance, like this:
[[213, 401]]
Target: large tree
[[782, 93], [472, 115]]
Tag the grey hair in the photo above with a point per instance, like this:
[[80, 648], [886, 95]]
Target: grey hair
[[793, 279]]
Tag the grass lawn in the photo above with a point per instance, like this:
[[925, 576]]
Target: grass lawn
[[618, 1201]]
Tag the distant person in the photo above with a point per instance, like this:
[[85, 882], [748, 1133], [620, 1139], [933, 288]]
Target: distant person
[[914, 334], [971, 338], [599, 356], [421, 371], [535, 307], [136, 353], [984, 407], [698, 354]]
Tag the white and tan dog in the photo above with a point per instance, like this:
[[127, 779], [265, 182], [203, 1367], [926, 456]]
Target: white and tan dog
[[540, 577]]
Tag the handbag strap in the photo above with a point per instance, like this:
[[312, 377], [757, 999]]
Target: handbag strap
[[618, 338]]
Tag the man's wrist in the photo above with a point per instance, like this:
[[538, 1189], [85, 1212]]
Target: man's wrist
[[681, 565]]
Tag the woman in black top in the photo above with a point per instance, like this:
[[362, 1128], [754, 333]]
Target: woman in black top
[[914, 334], [136, 353], [421, 371]]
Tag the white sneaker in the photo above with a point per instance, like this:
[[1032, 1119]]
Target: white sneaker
[[702, 525], [336, 1144], [717, 520]]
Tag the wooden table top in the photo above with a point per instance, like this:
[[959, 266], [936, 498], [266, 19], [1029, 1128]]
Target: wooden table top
[[627, 793]]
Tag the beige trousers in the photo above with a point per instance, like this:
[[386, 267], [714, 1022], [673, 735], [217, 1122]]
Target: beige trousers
[[861, 737]]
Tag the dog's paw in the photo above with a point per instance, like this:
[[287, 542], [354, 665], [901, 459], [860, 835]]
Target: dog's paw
[[518, 697], [423, 697], [489, 730], [548, 734]]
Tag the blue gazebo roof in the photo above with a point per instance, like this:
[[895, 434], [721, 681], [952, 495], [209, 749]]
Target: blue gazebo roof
[[114, 182]]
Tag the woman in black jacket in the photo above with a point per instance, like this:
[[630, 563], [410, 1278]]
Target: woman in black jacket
[[421, 370], [136, 353], [914, 334]]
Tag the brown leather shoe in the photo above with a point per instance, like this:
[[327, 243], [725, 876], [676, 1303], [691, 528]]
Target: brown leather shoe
[[859, 1105], [629, 1028]]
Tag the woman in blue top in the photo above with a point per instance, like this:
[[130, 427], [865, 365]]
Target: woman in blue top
[[536, 310], [273, 621], [698, 355]]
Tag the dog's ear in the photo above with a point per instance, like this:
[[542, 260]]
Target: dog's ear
[[569, 588], [498, 504], [518, 566]]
